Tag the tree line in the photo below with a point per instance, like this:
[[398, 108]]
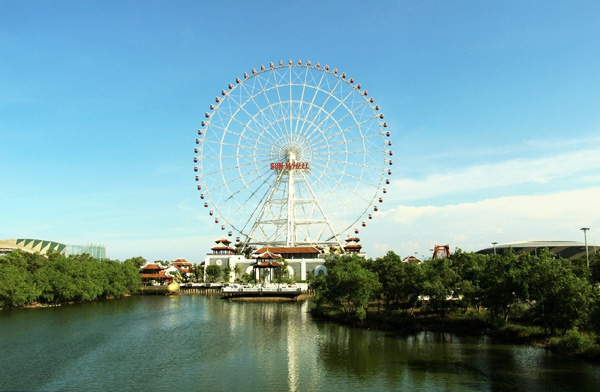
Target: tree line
[[556, 294], [27, 278]]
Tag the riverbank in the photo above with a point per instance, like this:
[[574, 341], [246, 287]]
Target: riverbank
[[573, 343], [41, 305]]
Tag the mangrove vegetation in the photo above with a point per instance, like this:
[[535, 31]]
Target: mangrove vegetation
[[537, 299], [31, 278]]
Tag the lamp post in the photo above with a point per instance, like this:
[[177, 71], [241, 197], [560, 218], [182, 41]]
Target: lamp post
[[494, 243], [587, 255]]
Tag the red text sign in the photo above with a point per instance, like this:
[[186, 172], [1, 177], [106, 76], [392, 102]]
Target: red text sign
[[290, 166]]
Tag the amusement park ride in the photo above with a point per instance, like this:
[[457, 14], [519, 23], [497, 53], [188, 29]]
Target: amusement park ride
[[293, 154]]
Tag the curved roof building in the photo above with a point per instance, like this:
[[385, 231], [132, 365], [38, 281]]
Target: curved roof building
[[32, 245], [564, 249], [43, 247]]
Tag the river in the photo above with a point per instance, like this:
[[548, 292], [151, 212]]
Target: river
[[196, 342]]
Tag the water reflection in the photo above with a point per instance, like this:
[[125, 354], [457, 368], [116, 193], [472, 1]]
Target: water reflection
[[197, 342]]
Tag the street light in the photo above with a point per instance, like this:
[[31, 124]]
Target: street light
[[494, 243], [587, 255]]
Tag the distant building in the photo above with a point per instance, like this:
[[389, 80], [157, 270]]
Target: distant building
[[563, 249], [411, 259], [301, 260], [156, 274], [43, 247], [441, 252]]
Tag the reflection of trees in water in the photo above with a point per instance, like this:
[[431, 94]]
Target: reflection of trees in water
[[350, 350], [426, 360]]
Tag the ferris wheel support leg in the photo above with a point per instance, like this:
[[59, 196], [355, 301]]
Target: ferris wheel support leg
[[257, 223], [327, 223], [291, 215]]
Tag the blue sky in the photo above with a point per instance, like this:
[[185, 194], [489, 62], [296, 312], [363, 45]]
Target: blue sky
[[494, 110]]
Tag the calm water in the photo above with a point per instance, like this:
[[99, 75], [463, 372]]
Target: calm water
[[192, 343]]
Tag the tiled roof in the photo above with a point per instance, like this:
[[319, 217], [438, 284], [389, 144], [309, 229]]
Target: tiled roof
[[283, 250]]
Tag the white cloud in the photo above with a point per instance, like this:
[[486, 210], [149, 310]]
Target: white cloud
[[577, 166], [472, 226]]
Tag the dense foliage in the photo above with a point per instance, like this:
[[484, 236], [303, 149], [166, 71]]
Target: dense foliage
[[551, 293], [27, 278], [212, 273]]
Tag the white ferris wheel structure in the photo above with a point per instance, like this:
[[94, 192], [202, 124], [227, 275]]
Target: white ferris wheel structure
[[293, 154]]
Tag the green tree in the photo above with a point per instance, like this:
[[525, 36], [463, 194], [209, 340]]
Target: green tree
[[400, 282], [561, 296], [348, 285], [237, 270], [131, 276], [17, 284], [198, 271], [139, 261], [247, 278], [504, 283], [439, 284], [212, 273], [470, 270], [226, 273]]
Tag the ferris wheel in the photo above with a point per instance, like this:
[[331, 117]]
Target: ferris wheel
[[293, 154]]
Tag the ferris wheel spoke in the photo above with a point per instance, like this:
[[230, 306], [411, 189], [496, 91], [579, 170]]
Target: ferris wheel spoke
[[252, 98], [344, 117], [252, 196], [326, 180], [239, 156], [335, 123], [346, 175], [286, 130], [311, 106], [231, 116], [322, 108], [354, 164], [227, 169], [239, 191], [225, 131], [355, 125], [301, 101], [233, 145], [269, 104]]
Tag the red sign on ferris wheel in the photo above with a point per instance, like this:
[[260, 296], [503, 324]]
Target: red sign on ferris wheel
[[290, 166]]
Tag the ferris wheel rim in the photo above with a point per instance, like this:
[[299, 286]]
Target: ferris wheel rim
[[323, 154]]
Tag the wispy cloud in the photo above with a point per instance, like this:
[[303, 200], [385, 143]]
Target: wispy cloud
[[472, 226], [577, 167]]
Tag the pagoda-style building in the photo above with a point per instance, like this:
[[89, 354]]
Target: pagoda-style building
[[300, 261], [352, 245], [155, 274], [183, 265], [223, 247], [266, 260]]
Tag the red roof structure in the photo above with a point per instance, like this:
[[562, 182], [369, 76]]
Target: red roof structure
[[152, 267], [352, 247], [290, 252], [222, 247], [223, 240], [182, 262], [441, 252], [161, 275]]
